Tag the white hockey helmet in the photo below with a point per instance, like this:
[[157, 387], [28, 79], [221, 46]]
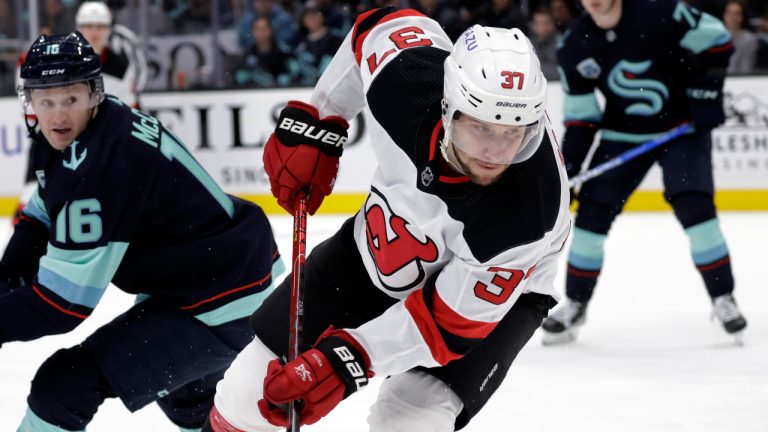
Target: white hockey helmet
[[93, 12], [493, 75]]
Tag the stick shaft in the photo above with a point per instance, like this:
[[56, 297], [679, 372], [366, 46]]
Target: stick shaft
[[629, 154], [295, 331]]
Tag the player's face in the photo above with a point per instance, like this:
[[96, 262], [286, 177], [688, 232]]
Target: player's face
[[479, 172], [63, 112], [491, 143], [96, 34], [732, 17], [599, 7], [484, 150]]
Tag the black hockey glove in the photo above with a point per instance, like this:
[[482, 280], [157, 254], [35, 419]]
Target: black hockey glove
[[705, 96]]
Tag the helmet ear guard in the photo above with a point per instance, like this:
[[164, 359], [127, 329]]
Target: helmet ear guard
[[494, 75]]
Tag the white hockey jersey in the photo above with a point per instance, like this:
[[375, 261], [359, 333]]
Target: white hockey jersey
[[457, 254], [124, 65]]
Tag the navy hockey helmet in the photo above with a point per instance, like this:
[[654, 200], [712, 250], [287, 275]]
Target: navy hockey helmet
[[61, 60]]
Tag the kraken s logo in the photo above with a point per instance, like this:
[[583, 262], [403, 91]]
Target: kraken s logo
[[398, 248], [623, 82]]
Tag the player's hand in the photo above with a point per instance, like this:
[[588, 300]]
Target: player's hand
[[303, 153], [319, 378], [705, 96]]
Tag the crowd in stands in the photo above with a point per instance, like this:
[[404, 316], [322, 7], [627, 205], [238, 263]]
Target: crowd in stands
[[289, 43]]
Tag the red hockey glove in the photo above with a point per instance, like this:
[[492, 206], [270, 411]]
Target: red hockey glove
[[304, 151], [320, 378]]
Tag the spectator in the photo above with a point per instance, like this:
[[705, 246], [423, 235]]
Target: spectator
[[283, 23], [365, 5], [316, 49], [265, 63], [337, 17], [56, 18], [544, 37], [745, 41], [503, 14], [445, 13], [195, 16], [563, 12], [7, 20], [762, 52]]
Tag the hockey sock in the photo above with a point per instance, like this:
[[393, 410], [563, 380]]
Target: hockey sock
[[585, 260], [710, 254]]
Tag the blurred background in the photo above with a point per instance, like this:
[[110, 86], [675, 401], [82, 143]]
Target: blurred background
[[219, 44], [217, 73]]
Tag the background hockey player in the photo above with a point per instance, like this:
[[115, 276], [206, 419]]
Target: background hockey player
[[446, 271], [124, 201], [655, 72], [123, 60]]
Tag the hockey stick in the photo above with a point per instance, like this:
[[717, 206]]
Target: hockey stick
[[296, 328], [630, 154]]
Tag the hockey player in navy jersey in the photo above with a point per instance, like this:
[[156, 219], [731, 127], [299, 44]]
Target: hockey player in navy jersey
[[123, 68], [446, 271], [659, 63], [125, 202]]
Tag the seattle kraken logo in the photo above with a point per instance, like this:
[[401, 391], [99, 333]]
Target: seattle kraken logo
[[74, 161], [588, 68], [623, 82]]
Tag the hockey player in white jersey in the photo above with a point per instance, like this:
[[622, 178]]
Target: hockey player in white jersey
[[446, 271], [123, 61]]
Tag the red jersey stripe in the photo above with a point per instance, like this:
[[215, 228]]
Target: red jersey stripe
[[226, 293], [358, 40], [428, 329], [580, 123], [433, 139], [457, 324], [453, 180], [57, 307]]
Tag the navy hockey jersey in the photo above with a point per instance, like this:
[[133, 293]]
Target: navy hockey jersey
[[457, 254], [645, 67], [127, 203]]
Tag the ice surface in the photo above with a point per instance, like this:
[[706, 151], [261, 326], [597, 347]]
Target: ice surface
[[648, 359]]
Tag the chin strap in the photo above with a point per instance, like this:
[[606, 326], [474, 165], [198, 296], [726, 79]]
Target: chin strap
[[446, 155], [31, 128]]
